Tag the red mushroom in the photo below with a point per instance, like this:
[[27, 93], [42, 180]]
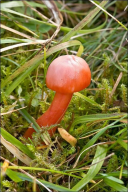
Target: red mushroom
[[66, 74]]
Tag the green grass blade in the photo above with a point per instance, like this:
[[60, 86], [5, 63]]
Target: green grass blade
[[113, 174], [115, 185], [24, 177], [20, 14], [113, 178], [109, 14], [123, 144], [26, 29], [7, 136], [121, 131], [94, 139], [7, 59], [84, 22], [95, 117], [43, 169], [30, 120], [13, 176], [94, 169]]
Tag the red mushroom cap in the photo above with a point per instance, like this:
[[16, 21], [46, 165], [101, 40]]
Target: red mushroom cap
[[68, 74]]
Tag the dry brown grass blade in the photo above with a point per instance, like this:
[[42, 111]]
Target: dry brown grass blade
[[17, 32], [21, 156], [23, 44], [8, 112], [19, 52], [55, 11]]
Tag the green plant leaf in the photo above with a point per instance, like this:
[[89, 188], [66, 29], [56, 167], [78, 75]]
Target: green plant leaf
[[43, 169], [30, 120], [25, 28], [95, 117], [59, 188], [43, 28], [94, 169], [115, 185], [109, 14], [94, 139], [123, 144], [13, 175], [121, 131], [7, 59], [20, 14], [113, 174], [112, 178]]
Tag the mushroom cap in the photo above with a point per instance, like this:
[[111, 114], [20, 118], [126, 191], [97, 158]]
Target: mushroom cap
[[68, 74]]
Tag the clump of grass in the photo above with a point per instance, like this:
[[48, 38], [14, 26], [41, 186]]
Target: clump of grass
[[96, 116]]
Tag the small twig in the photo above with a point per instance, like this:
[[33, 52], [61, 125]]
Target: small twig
[[17, 32], [19, 52], [27, 174]]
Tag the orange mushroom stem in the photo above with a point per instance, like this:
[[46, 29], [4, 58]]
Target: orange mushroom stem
[[53, 115], [66, 74]]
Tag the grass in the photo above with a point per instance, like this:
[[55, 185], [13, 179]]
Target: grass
[[96, 116]]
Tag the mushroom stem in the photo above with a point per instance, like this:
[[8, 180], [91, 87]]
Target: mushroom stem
[[53, 115]]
